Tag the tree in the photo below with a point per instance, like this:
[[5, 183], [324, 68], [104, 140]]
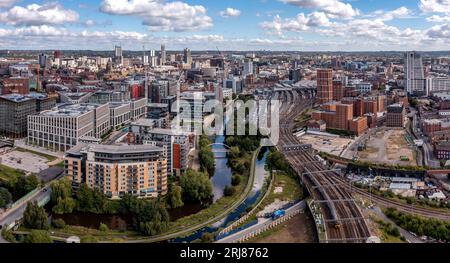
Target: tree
[[174, 196], [61, 189], [103, 227], [35, 217], [151, 217], [196, 186], [38, 236], [59, 223], [23, 185], [236, 180], [5, 197], [229, 190]]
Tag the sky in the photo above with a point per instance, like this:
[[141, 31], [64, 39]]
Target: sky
[[240, 25]]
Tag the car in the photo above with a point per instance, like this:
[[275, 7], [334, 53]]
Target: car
[[44, 190]]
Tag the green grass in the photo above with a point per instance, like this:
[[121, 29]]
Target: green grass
[[7, 174], [80, 231], [48, 157], [291, 189]]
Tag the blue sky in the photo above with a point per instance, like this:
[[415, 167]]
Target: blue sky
[[304, 25]]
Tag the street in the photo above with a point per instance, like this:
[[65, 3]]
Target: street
[[17, 213]]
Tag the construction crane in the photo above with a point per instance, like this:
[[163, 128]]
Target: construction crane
[[220, 53]]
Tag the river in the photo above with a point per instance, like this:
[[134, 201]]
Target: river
[[260, 176]]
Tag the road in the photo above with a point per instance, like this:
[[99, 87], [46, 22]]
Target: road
[[262, 223], [17, 212]]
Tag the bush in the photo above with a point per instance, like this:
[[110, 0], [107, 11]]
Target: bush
[[207, 238], [38, 236], [103, 227], [59, 223], [229, 191], [236, 180], [89, 240]]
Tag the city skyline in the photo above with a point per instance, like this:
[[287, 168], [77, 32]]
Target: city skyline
[[278, 25]]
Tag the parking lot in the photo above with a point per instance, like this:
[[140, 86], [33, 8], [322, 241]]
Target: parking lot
[[25, 161]]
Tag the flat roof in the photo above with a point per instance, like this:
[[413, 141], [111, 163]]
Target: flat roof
[[400, 186], [158, 105], [70, 110], [124, 148]]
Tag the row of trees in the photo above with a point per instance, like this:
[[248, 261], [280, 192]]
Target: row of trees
[[206, 156], [433, 228], [16, 188]]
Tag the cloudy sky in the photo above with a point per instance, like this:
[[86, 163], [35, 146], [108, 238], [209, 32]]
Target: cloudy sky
[[303, 25]]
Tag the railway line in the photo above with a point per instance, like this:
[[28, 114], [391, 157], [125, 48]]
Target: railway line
[[343, 219], [345, 222]]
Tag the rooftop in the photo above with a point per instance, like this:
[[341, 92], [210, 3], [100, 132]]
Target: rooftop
[[70, 110]]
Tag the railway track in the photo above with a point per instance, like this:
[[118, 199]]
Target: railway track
[[344, 220]]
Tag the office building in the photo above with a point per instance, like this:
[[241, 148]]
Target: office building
[[15, 109], [120, 114], [60, 129], [118, 56], [139, 170], [436, 85], [324, 85], [414, 74]]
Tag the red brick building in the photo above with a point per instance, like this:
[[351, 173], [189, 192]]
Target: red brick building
[[324, 85]]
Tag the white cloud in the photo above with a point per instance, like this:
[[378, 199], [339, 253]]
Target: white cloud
[[438, 19], [298, 24], [230, 12], [435, 6], [90, 23], [401, 12], [7, 3], [160, 15], [333, 8], [35, 14]]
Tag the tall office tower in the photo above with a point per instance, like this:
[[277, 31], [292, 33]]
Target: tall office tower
[[118, 55], [163, 54], [187, 59], [248, 68], [414, 74], [324, 85]]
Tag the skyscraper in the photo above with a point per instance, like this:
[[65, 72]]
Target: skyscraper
[[118, 55], [324, 85], [163, 54], [187, 56], [153, 59], [414, 74], [248, 68]]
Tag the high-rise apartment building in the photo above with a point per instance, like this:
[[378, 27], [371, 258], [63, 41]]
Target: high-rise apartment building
[[324, 85], [118, 55], [414, 74], [139, 170], [163, 57]]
